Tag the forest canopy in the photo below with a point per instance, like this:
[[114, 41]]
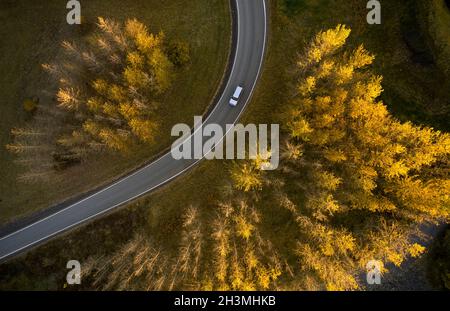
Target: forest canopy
[[353, 186]]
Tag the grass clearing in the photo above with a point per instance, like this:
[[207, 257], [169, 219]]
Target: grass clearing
[[30, 36]]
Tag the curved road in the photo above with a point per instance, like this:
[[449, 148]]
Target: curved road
[[251, 21]]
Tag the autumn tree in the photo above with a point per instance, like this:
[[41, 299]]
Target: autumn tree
[[224, 250], [355, 180], [107, 91], [188, 265], [138, 265], [352, 148], [246, 176], [179, 53], [126, 69], [354, 185], [243, 258], [366, 176], [144, 264]]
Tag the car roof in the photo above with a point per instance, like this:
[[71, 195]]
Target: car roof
[[237, 92]]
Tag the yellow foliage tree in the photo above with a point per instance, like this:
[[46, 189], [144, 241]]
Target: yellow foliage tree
[[362, 168], [107, 87]]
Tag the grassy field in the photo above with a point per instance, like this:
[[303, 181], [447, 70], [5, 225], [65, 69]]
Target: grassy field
[[30, 36], [292, 25]]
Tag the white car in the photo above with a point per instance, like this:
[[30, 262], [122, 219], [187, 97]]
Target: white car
[[236, 95]]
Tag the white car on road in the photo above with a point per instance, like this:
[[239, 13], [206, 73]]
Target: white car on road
[[236, 95]]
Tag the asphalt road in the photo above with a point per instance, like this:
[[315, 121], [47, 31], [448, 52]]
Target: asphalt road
[[247, 58]]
